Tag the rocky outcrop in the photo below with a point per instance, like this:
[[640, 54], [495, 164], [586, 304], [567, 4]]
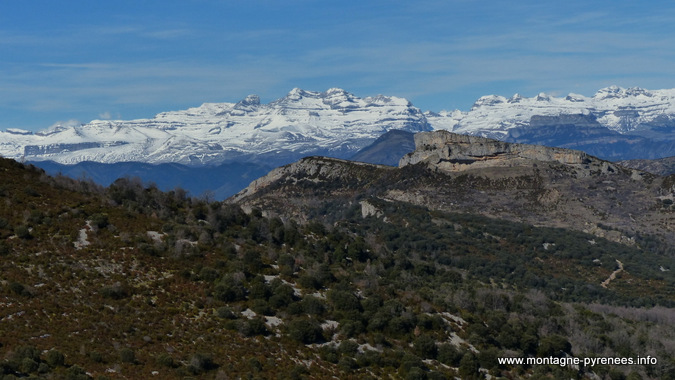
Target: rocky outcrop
[[312, 169], [452, 152], [368, 209]]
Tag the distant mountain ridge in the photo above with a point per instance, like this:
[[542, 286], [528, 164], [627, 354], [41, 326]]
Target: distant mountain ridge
[[622, 110], [387, 149], [215, 182], [663, 166], [334, 123], [615, 123]]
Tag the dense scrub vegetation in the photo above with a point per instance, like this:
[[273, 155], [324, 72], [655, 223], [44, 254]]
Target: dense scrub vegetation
[[131, 282]]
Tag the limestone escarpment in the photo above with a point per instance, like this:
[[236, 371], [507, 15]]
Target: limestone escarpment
[[452, 152]]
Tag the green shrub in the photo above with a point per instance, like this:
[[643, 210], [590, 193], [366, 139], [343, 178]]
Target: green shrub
[[96, 356], [28, 365], [55, 358], [416, 373], [76, 373], [305, 330], [553, 345], [252, 327], [127, 355], [329, 354], [425, 347], [99, 220], [225, 313], [468, 366], [261, 307], [344, 301], [200, 363], [230, 291], [409, 361], [449, 355], [347, 364], [259, 290], [255, 364], [209, 274], [348, 347], [22, 232], [19, 289], [165, 360], [312, 305]]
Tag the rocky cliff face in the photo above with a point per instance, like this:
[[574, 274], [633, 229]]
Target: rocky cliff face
[[452, 152]]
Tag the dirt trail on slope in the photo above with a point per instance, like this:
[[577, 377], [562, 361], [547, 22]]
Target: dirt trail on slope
[[613, 275]]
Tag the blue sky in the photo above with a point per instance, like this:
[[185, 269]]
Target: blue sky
[[83, 60]]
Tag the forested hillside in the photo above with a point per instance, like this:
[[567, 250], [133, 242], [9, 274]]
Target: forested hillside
[[131, 282]]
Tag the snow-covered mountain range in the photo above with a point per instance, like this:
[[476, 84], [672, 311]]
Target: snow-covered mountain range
[[626, 111], [335, 123]]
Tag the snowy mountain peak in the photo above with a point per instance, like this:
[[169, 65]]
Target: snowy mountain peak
[[336, 91], [251, 100], [616, 92], [516, 98], [488, 100], [543, 97], [298, 93], [249, 103], [572, 97]]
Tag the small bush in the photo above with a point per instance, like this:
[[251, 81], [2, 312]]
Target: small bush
[[99, 220], [347, 364], [449, 355], [55, 358], [22, 232], [261, 307], [127, 355], [253, 327], [19, 289], [225, 313], [117, 291], [200, 363], [425, 347], [96, 356], [305, 331], [348, 347], [76, 373], [165, 360], [209, 274], [28, 365]]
